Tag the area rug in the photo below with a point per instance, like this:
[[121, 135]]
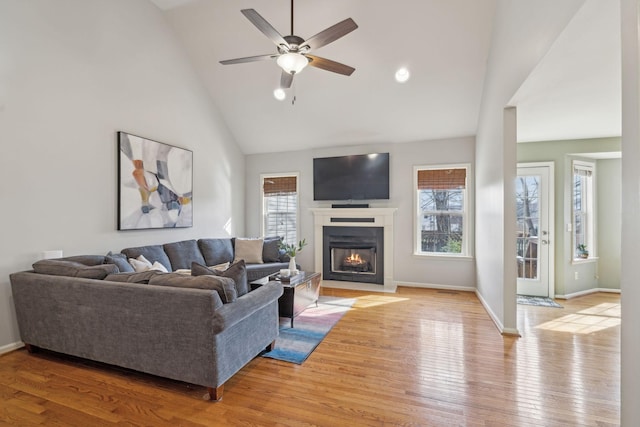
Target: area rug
[[539, 301], [309, 329]]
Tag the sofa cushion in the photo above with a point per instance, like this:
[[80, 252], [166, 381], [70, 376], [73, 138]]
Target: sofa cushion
[[120, 260], [63, 267], [271, 249], [152, 252], [182, 254], [133, 277], [224, 286], [236, 271], [216, 251], [86, 259], [250, 250]]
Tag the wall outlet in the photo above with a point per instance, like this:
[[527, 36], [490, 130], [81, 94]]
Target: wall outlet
[[575, 275]]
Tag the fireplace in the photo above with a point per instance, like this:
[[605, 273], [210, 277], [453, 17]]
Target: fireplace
[[349, 218], [353, 254]]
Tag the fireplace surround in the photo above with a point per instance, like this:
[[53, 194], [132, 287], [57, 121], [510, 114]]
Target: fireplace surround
[[353, 254], [351, 218]]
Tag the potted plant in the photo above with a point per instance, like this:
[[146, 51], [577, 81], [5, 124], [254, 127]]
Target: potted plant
[[583, 252], [292, 249]]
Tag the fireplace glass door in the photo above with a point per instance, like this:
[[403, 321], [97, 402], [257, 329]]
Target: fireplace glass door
[[353, 260]]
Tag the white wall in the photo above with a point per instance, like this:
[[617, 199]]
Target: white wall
[[408, 269], [630, 339], [73, 73], [609, 222], [523, 33]]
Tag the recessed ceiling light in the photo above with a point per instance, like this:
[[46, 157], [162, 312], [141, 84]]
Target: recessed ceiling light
[[402, 75], [279, 94]]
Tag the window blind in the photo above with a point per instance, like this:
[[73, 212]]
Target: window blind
[[279, 185], [280, 207], [442, 179]]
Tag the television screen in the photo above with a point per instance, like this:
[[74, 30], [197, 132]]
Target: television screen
[[358, 177]]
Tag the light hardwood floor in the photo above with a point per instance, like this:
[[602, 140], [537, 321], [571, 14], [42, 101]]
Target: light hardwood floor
[[417, 357]]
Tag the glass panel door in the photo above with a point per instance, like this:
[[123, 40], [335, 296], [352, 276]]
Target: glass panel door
[[532, 235]]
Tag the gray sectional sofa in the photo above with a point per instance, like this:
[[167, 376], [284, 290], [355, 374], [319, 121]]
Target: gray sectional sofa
[[198, 329]]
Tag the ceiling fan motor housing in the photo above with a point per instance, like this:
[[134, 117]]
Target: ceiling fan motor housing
[[294, 44]]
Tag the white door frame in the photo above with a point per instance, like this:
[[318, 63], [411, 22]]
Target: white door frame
[[551, 220]]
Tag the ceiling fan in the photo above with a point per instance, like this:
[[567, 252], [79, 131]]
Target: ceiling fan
[[293, 51]]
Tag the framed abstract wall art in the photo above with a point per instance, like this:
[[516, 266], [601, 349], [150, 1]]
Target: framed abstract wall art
[[155, 184]]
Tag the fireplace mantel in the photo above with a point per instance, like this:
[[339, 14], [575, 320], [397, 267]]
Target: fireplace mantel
[[356, 217]]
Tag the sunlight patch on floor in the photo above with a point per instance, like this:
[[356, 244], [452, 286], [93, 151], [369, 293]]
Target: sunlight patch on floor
[[375, 300], [605, 309], [593, 319]]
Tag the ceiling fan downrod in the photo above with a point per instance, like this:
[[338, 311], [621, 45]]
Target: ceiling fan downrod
[[292, 17]]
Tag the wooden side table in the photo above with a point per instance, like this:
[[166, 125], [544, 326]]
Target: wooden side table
[[300, 292]]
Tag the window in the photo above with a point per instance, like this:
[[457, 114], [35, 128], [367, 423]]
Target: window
[[583, 214], [280, 206], [442, 225]]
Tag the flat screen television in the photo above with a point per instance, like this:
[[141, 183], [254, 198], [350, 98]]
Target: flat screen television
[[358, 177]]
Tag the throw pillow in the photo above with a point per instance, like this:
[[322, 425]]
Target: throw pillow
[[120, 260], [156, 266], [250, 250], [236, 271], [140, 264], [224, 286], [271, 249], [220, 267]]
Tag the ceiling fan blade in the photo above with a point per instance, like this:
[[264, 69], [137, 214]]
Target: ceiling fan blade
[[266, 28], [249, 59], [286, 80], [331, 34], [329, 65]]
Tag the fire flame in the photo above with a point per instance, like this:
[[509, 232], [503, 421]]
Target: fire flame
[[354, 258]]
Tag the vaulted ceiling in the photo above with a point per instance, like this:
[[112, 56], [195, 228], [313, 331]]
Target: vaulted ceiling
[[573, 93]]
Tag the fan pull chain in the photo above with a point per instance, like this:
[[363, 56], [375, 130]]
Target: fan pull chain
[[293, 92]]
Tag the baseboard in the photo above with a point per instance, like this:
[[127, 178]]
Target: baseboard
[[11, 347], [437, 286], [587, 292], [496, 320]]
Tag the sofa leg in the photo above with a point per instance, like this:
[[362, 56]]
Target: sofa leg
[[31, 348], [271, 346], [215, 393]]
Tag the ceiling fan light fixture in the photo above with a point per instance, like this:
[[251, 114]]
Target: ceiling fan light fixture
[[402, 75], [279, 94], [292, 62]]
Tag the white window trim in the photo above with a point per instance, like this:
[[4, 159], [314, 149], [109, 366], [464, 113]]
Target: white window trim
[[591, 219], [467, 217], [263, 213]]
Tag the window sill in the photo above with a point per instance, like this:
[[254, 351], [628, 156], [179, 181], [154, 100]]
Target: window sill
[[443, 257], [584, 260]]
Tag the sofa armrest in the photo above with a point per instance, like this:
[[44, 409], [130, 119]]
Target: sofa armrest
[[230, 314]]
